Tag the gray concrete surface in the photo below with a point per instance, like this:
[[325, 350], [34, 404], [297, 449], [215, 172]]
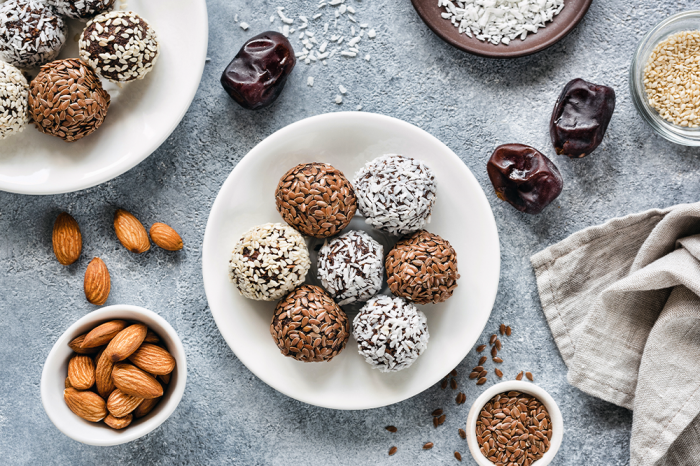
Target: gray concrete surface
[[227, 415]]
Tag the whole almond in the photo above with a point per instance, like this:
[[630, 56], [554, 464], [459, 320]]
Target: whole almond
[[88, 405], [165, 237], [119, 404], [81, 372], [67, 383], [75, 345], [103, 334], [66, 238], [133, 381], [153, 359], [146, 407], [103, 376], [151, 337], [97, 283], [126, 342], [165, 378], [118, 422], [131, 233]]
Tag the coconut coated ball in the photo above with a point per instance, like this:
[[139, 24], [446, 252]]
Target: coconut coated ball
[[81, 8]]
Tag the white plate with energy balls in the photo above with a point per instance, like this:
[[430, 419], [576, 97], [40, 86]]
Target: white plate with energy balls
[[300, 260], [117, 78]]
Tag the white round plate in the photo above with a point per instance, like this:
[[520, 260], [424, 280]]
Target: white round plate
[[141, 116], [461, 215]]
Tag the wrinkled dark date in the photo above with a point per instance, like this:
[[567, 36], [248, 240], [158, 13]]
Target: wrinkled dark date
[[581, 117], [256, 76], [524, 177]]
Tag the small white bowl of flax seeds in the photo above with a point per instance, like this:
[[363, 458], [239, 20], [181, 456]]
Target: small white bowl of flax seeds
[[514, 420]]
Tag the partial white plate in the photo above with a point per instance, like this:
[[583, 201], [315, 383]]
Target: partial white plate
[[141, 116], [462, 215]]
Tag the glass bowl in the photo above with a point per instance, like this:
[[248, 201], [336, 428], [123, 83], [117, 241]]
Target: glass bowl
[[687, 21]]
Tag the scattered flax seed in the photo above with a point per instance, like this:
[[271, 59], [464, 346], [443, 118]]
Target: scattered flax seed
[[494, 351], [441, 420], [443, 385], [497, 360], [499, 373], [462, 433], [493, 339], [453, 373], [499, 345], [435, 422], [519, 376], [461, 398], [458, 456], [480, 348], [481, 381], [529, 376], [482, 360], [473, 375], [453, 384], [392, 451], [428, 446], [437, 412], [508, 331], [391, 429], [478, 368], [483, 373], [502, 329]]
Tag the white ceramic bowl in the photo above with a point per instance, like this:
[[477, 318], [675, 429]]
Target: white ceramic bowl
[[56, 366], [524, 387], [461, 215]]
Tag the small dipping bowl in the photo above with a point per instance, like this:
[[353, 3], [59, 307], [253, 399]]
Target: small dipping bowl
[[687, 21], [529, 389], [56, 368]]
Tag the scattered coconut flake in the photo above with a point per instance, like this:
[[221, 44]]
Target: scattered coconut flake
[[359, 107], [342, 89], [310, 81], [244, 25], [367, 57], [339, 99]]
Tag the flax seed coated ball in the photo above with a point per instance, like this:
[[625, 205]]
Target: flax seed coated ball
[[81, 8], [120, 46], [422, 268], [309, 326], [316, 199]]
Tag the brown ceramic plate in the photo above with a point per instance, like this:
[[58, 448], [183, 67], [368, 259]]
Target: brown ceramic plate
[[563, 23]]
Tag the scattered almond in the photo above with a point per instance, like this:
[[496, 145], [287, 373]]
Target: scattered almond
[[103, 334], [119, 404], [428, 446], [133, 381], [88, 405], [153, 359], [97, 282], [81, 372], [66, 238], [146, 407], [103, 376], [118, 422], [75, 345], [126, 342], [130, 232], [165, 237]]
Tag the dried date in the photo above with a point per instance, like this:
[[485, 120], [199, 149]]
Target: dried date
[[581, 117], [257, 74], [524, 177]]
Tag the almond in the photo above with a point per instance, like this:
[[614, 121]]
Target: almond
[[67, 383], [97, 282], [165, 237], [145, 407], [131, 232], [103, 376], [118, 422], [165, 378], [67, 240], [76, 343], [88, 405], [81, 372], [133, 381], [153, 359], [126, 342], [151, 337], [119, 404], [102, 334]]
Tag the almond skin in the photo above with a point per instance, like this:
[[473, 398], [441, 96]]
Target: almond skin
[[165, 237], [130, 232], [75, 345], [103, 376], [81, 372], [126, 342], [88, 405], [103, 334], [118, 422], [119, 404], [97, 282], [145, 407], [153, 359], [133, 381], [66, 238]]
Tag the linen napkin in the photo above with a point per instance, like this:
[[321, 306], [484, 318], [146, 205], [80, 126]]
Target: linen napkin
[[623, 302]]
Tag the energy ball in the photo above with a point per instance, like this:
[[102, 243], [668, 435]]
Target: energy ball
[[120, 46], [396, 194], [81, 8], [316, 199], [422, 268], [66, 100], [308, 326], [269, 261], [31, 33], [391, 333], [351, 267], [13, 100]]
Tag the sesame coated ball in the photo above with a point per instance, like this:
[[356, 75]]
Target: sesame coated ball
[[13, 100], [120, 46]]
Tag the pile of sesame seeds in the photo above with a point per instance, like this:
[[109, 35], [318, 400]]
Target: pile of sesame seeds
[[391, 333], [500, 21], [269, 261], [351, 267], [13, 100]]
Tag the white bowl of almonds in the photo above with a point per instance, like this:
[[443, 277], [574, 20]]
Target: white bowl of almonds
[[114, 376], [514, 422]]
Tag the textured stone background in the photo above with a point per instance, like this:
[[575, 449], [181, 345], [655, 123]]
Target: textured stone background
[[472, 104]]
